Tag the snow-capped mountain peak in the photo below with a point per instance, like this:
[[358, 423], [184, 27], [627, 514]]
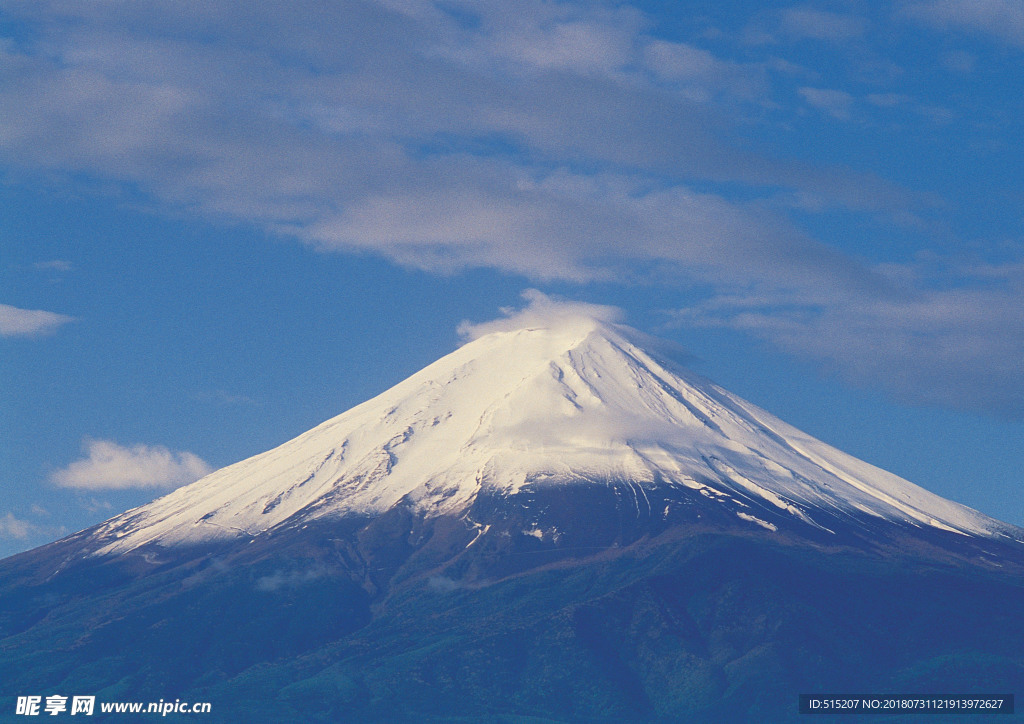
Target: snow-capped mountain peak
[[566, 397]]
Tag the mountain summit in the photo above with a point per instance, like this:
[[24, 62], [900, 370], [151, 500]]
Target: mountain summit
[[567, 399]]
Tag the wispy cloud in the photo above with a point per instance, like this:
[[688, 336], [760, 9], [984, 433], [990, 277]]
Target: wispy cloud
[[290, 579], [702, 76], [12, 527], [56, 265], [957, 347], [462, 109], [15, 322], [21, 529], [835, 103], [887, 100], [807, 22], [541, 310], [109, 466], [1002, 19]]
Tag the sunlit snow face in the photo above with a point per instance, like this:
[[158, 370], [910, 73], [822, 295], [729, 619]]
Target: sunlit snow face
[[556, 406]]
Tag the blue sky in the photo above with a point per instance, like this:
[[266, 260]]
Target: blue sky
[[222, 223]]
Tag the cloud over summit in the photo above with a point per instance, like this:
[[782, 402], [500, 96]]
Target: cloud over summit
[[544, 311]]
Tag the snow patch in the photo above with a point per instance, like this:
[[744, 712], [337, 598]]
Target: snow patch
[[762, 523]]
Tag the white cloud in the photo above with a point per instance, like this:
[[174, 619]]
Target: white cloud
[[887, 100], [577, 46], [12, 527], [542, 311], [15, 322], [290, 579], [815, 24], [564, 225], [290, 127], [57, 265], [836, 103], [108, 465], [1003, 19], [959, 347], [701, 76]]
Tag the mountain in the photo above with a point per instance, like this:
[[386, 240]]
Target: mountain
[[530, 411], [553, 521]]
